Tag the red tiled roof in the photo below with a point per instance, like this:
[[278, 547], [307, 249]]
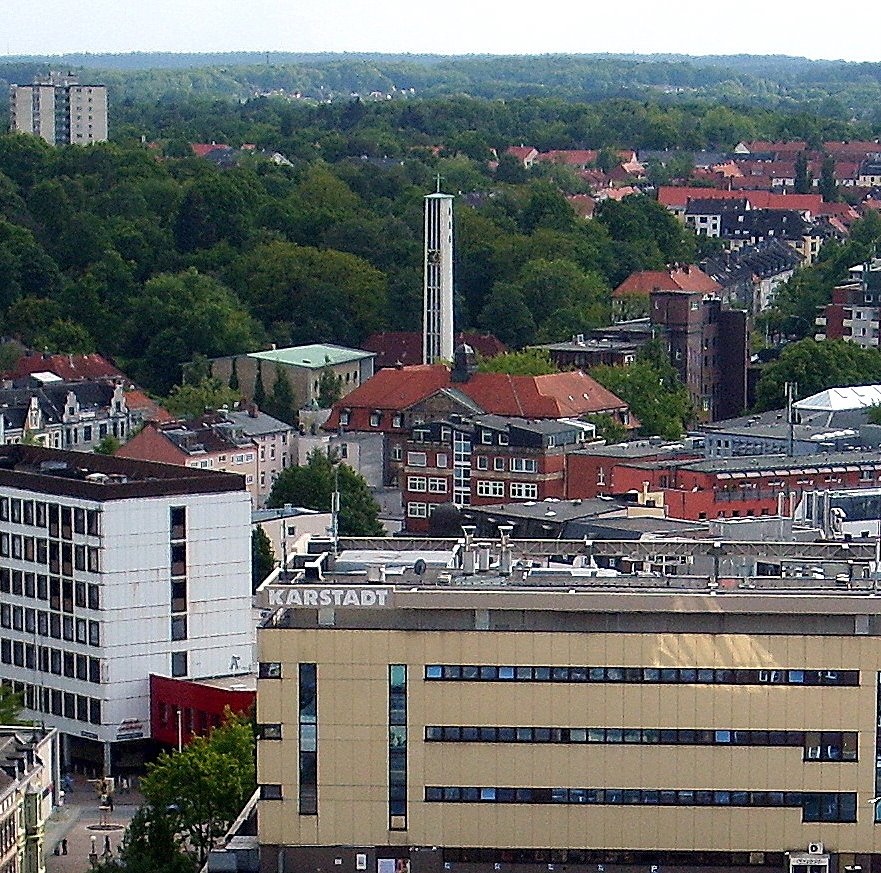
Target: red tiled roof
[[520, 152], [688, 279], [150, 410], [762, 145], [851, 148], [583, 204], [200, 149], [572, 157], [669, 195], [70, 368], [392, 347], [552, 396]]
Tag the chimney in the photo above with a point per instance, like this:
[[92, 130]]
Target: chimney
[[253, 411]]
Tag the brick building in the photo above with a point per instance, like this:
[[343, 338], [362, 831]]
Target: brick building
[[395, 400], [485, 460]]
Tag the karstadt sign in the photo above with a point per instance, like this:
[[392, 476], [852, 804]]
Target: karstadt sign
[[336, 596]]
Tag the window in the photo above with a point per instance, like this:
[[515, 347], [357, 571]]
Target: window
[[178, 522], [269, 670], [269, 731], [178, 627], [417, 483], [482, 462], [499, 464], [417, 510], [308, 737], [523, 465], [486, 437], [397, 748], [397, 453], [441, 460], [270, 792], [398, 420], [375, 419], [178, 663], [417, 459], [523, 491], [485, 488], [437, 485]]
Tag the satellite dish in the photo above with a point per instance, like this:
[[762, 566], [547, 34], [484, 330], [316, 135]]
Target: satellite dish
[[419, 567]]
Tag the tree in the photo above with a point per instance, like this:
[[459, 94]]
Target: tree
[[608, 428], [11, 704], [816, 366], [803, 180], [203, 787], [828, 188], [652, 390], [108, 446], [190, 401], [234, 376], [150, 845], [259, 389], [507, 316], [281, 403], [330, 388], [529, 362], [875, 414], [311, 486], [262, 557]]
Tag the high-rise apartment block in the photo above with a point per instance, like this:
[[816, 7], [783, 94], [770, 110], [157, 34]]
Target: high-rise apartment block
[[60, 110]]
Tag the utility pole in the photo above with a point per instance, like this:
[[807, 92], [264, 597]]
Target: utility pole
[[791, 392]]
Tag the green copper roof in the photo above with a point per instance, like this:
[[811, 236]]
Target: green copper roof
[[313, 356]]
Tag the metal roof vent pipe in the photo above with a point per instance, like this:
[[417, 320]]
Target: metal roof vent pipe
[[506, 557], [483, 557]]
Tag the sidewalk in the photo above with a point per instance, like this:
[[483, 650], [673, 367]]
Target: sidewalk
[[78, 821]]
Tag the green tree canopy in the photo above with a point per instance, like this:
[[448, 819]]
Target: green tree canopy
[[652, 390], [190, 401], [529, 362], [816, 366], [262, 557], [202, 788], [312, 485]]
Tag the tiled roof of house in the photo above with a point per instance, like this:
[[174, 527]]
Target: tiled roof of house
[[669, 195], [555, 395], [521, 152], [138, 402], [70, 368], [688, 278], [570, 157], [202, 149]]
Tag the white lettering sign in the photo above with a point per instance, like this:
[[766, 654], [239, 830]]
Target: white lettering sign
[[362, 597]]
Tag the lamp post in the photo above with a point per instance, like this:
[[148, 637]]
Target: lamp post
[[180, 731]]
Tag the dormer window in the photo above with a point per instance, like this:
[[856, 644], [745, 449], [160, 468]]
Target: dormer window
[[375, 419], [397, 420], [344, 417]]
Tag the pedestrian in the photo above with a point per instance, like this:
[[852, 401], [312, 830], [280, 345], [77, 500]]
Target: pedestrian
[[64, 846], [110, 801]]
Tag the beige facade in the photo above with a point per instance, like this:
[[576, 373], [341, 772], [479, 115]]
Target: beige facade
[[60, 110], [737, 812]]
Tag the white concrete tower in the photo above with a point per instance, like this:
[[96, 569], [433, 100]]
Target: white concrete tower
[[437, 297]]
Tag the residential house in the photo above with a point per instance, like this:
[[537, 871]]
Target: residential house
[[395, 400], [69, 415], [210, 442], [525, 154], [29, 792], [273, 439], [631, 298], [854, 314]]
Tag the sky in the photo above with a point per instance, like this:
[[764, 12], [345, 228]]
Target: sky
[[449, 27]]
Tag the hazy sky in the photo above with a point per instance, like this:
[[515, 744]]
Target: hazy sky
[[451, 27]]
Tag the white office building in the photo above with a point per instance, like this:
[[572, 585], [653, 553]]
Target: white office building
[[112, 570]]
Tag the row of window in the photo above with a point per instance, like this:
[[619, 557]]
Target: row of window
[[816, 745], [637, 675], [816, 806], [192, 721], [62, 594], [517, 490], [62, 521], [60, 557], [415, 509], [49, 660], [52, 701], [431, 484], [642, 858], [50, 624]]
